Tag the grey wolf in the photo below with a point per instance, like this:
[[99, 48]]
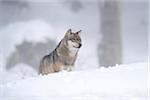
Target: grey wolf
[[63, 57]]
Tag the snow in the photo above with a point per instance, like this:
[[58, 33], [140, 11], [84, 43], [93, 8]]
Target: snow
[[20, 71], [16, 33], [121, 82]]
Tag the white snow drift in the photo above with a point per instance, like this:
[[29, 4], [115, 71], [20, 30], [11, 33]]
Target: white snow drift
[[122, 82]]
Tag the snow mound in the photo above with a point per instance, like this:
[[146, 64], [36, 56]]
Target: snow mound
[[16, 33], [20, 71], [122, 82], [34, 30]]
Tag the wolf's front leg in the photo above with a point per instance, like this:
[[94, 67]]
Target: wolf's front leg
[[70, 68]]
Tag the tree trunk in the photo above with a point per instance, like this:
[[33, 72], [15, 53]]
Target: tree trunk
[[110, 49]]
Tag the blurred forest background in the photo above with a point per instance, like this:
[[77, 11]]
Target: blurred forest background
[[114, 31]]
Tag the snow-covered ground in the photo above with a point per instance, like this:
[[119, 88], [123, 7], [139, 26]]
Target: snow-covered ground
[[122, 82], [20, 71]]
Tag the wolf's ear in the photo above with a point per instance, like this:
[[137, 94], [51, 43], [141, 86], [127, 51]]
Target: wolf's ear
[[79, 32], [68, 32]]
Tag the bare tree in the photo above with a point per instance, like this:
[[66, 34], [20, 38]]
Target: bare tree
[[110, 47]]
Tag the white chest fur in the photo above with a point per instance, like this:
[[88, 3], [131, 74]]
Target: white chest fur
[[73, 51]]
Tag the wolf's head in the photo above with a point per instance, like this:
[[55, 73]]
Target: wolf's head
[[73, 39]]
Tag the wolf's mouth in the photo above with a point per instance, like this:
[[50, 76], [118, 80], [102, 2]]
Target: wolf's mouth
[[78, 46]]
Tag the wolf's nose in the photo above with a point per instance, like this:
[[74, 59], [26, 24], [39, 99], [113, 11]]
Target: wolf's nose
[[80, 45]]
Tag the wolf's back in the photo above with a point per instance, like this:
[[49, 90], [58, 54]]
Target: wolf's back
[[46, 65]]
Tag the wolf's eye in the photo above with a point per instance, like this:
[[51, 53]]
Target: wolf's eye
[[73, 40]]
